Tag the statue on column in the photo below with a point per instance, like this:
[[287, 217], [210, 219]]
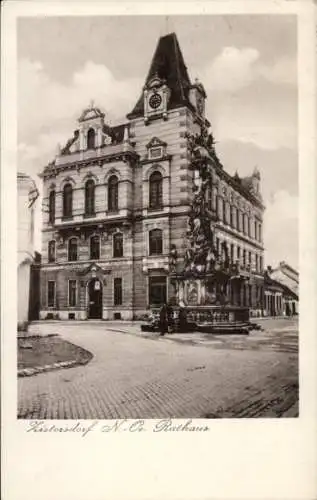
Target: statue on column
[[173, 258]]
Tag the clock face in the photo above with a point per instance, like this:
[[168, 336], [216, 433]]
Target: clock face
[[155, 101]]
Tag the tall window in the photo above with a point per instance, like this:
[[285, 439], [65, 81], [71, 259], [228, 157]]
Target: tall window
[[91, 135], [238, 254], [238, 219], [243, 223], [156, 190], [216, 202], [118, 245], [256, 262], [51, 208], [249, 227], [224, 212], [51, 294], [260, 232], [113, 193], [117, 291], [232, 221], [157, 290], [156, 242], [261, 263], [250, 259], [244, 258], [72, 293], [232, 252], [72, 249], [68, 200], [94, 248], [255, 230], [51, 251], [90, 197]]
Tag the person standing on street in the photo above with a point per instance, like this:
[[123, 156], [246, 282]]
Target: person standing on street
[[163, 320], [170, 318]]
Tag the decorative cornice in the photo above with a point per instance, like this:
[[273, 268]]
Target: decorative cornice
[[155, 160], [125, 156]]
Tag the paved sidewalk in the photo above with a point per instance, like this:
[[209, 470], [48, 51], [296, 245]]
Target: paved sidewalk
[[133, 376]]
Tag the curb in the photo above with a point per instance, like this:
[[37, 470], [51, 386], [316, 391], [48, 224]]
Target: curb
[[28, 372]]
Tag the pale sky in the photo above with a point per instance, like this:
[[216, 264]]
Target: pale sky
[[246, 63]]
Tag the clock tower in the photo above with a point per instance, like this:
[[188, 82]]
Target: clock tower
[[156, 96]]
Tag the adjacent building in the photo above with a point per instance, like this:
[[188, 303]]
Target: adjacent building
[[27, 196], [116, 202], [286, 278]]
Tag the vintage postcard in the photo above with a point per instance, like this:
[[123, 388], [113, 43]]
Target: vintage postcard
[[158, 241]]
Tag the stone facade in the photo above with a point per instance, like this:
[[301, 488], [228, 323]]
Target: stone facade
[[116, 202]]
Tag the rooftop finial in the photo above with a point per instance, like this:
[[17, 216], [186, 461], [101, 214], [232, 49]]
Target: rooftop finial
[[91, 104]]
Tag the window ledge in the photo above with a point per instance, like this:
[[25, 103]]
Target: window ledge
[[156, 209], [67, 217], [89, 216]]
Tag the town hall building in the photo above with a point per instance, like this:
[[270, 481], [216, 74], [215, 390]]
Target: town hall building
[[116, 201]]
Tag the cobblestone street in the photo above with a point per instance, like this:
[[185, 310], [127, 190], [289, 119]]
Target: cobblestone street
[[135, 375]]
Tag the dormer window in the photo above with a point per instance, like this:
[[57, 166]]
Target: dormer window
[[156, 149], [91, 138]]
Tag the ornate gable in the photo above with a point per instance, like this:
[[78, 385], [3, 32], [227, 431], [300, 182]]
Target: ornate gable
[[156, 148], [155, 142], [91, 113], [94, 269]]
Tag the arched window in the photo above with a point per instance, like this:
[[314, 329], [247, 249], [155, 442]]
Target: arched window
[[155, 242], [113, 193], [91, 135], [94, 248], [68, 200], [156, 191], [72, 249], [51, 208], [90, 197], [118, 245], [51, 251]]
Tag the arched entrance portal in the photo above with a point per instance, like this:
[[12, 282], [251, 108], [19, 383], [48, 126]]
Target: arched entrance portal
[[94, 299]]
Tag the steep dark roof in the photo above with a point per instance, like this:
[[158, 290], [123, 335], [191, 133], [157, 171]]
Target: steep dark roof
[[117, 133], [168, 64]]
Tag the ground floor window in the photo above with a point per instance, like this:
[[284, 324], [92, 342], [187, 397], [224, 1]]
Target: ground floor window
[[72, 293], [117, 292], [157, 290], [51, 293]]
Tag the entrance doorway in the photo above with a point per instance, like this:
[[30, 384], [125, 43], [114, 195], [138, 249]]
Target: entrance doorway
[[95, 299]]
